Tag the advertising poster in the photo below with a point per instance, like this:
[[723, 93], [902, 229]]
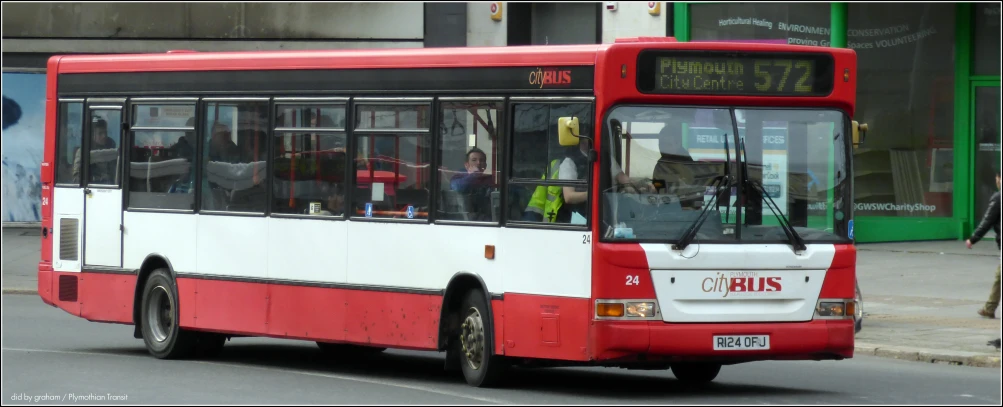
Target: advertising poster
[[23, 136]]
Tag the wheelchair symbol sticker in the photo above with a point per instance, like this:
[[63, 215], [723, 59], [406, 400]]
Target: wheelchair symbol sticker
[[369, 209], [850, 234], [410, 212]]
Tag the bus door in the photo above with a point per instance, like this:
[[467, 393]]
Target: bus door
[[102, 171]]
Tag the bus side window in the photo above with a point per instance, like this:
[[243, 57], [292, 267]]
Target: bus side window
[[234, 157], [162, 171], [537, 154], [70, 139], [309, 160], [468, 172], [393, 174]]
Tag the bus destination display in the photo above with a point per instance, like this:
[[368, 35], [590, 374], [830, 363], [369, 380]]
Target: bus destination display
[[748, 74]]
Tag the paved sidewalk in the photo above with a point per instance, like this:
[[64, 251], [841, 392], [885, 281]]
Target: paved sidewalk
[[920, 298], [21, 247]]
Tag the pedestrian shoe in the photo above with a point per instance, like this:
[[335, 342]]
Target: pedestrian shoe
[[995, 343], [987, 314]]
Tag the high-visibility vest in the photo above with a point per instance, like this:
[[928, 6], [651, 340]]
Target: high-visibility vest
[[547, 200]]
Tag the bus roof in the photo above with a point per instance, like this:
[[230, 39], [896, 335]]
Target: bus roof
[[565, 55], [453, 57]]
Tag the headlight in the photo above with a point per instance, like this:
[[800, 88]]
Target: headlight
[[627, 310], [835, 309], [830, 309], [641, 309]]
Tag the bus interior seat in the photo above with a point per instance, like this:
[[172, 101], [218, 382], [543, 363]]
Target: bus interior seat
[[455, 205]]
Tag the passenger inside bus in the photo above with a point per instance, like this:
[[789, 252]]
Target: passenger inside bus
[[221, 146], [473, 188], [101, 172]]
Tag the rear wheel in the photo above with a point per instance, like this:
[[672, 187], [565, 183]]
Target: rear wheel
[[163, 337], [696, 372], [480, 366]]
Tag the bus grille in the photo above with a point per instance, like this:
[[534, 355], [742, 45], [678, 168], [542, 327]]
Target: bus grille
[[68, 288], [68, 230]]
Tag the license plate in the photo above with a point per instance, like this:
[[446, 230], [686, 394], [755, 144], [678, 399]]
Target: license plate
[[742, 342]]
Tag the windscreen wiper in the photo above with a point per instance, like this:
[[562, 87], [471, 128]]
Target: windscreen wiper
[[691, 232], [796, 241]]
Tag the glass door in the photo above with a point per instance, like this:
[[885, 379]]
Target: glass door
[[986, 142]]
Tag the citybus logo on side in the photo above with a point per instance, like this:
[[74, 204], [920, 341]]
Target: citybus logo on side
[[550, 77], [740, 282]]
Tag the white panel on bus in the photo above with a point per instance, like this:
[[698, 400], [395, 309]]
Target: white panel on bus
[[421, 256], [774, 284], [103, 227], [68, 204], [171, 235], [235, 246], [311, 250], [546, 262]]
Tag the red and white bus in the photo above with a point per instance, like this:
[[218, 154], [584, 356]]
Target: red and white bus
[[643, 204]]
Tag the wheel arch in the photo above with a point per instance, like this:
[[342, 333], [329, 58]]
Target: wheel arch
[[452, 298]]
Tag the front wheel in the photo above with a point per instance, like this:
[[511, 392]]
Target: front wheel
[[696, 372], [858, 312], [480, 366]]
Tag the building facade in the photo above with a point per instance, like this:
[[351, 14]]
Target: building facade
[[928, 87]]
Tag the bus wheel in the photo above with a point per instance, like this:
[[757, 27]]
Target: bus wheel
[[481, 367], [696, 372], [159, 315]]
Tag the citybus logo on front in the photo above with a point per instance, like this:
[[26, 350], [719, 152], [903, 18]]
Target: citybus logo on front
[[740, 282], [550, 77]]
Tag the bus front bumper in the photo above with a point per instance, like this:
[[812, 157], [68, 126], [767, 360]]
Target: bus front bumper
[[813, 340]]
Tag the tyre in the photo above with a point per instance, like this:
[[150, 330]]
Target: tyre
[[858, 312], [480, 366], [159, 315], [696, 372]]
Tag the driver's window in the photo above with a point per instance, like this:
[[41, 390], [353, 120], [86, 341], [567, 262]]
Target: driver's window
[[676, 152], [669, 165]]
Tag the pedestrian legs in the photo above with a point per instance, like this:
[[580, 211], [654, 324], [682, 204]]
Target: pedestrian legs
[[994, 297]]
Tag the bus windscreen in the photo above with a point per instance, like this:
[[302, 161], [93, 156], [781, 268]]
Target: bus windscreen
[[735, 74]]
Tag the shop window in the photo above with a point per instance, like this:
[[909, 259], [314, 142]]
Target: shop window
[[905, 93], [986, 50], [780, 23]]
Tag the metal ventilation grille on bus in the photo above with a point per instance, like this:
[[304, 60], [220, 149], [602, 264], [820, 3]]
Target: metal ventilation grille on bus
[[68, 230], [68, 288]]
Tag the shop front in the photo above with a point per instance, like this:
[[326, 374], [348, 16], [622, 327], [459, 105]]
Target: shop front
[[928, 88]]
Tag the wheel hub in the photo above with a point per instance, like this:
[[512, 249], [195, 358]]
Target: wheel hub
[[472, 338], [160, 313]]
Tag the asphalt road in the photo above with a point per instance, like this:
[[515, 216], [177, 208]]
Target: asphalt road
[[51, 356]]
